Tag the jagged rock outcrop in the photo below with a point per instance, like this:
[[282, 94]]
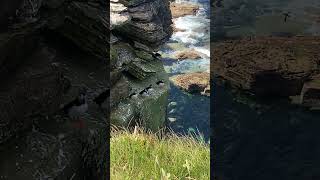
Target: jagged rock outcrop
[[273, 66], [149, 24], [49, 50], [144, 26]]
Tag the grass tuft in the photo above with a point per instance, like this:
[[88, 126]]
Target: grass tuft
[[144, 155]]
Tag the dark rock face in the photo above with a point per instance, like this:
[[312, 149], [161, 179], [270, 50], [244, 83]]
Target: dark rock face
[[268, 65], [86, 25], [35, 88], [50, 49]]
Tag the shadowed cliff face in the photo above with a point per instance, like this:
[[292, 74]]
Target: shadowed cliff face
[[49, 51], [7, 10], [138, 28], [52, 49]]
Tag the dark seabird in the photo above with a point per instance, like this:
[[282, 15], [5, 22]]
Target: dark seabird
[[149, 88], [102, 97], [156, 55], [160, 83], [144, 92], [286, 15], [133, 95], [78, 107]]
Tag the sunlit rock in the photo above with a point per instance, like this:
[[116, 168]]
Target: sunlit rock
[[195, 83], [183, 9]]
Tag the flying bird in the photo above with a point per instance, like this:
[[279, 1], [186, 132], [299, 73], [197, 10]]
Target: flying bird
[[133, 95], [144, 92], [160, 83], [102, 97], [286, 16], [77, 108], [149, 88], [156, 55]]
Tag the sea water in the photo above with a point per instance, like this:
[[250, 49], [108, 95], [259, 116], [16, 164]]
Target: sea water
[[189, 113]]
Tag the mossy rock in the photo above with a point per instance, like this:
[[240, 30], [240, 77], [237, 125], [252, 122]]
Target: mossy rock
[[150, 111], [139, 69]]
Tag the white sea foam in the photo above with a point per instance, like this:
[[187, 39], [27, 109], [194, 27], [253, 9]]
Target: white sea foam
[[189, 66], [195, 28], [195, 34]]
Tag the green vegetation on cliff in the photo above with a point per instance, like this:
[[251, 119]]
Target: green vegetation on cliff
[[141, 155]]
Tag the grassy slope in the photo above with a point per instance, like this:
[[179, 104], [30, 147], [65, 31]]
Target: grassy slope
[[144, 156]]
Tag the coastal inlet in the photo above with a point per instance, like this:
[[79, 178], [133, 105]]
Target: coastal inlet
[[186, 59]]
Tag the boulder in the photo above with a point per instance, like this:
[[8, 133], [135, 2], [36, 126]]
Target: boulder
[[183, 9], [195, 83], [189, 54]]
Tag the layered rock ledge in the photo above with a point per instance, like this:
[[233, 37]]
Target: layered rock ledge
[[271, 66]]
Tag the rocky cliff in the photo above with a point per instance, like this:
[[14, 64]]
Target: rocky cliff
[[50, 50], [138, 28]]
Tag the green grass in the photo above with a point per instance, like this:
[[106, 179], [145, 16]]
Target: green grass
[[141, 155]]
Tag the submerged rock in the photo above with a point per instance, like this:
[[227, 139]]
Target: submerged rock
[[195, 83], [189, 54]]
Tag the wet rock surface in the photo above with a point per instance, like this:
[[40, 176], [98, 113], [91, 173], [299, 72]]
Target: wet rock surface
[[51, 49]]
